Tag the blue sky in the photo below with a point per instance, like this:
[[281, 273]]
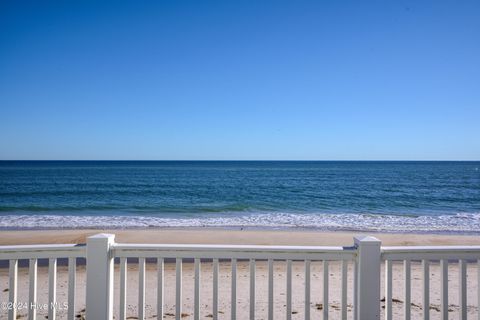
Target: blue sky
[[240, 80]]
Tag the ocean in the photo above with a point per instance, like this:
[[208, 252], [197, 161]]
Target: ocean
[[387, 196]]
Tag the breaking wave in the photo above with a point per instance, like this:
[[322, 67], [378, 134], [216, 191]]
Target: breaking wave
[[456, 223]]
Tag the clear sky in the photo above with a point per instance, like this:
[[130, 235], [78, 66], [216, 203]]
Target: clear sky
[[240, 80]]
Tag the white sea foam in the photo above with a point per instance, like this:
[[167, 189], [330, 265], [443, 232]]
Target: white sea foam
[[459, 223]]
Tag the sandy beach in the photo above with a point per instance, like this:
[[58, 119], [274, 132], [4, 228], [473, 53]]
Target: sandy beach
[[200, 236], [233, 236]]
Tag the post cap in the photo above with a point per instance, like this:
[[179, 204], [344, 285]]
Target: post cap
[[366, 240], [102, 237]]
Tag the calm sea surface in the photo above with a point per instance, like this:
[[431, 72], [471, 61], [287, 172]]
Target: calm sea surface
[[329, 195]]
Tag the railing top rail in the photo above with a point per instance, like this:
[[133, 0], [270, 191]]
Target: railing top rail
[[27, 247], [240, 251], [42, 251], [233, 251], [263, 248], [430, 252], [429, 248]]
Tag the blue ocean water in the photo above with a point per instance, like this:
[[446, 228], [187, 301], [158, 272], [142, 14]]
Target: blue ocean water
[[328, 195]]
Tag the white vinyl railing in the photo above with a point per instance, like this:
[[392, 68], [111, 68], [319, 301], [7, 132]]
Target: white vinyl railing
[[231, 253], [33, 253], [366, 258], [445, 255]]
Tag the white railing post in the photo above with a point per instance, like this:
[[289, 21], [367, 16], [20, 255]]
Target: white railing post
[[100, 277], [368, 277]]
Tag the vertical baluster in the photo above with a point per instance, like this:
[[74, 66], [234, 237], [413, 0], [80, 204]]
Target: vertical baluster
[[344, 288], [160, 285], [407, 284], [388, 289], [32, 291], [234, 290], [325, 289], [307, 289], [252, 289], [123, 288], [270, 289], [444, 288], [12, 290], [462, 294], [52, 288], [178, 292], [355, 289], [289, 289], [215, 289], [426, 289], [72, 275], [141, 288], [196, 309]]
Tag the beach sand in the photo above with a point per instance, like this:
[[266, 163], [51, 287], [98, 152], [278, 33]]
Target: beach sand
[[261, 237]]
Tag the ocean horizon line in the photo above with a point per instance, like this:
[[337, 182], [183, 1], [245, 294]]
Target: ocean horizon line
[[235, 160]]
